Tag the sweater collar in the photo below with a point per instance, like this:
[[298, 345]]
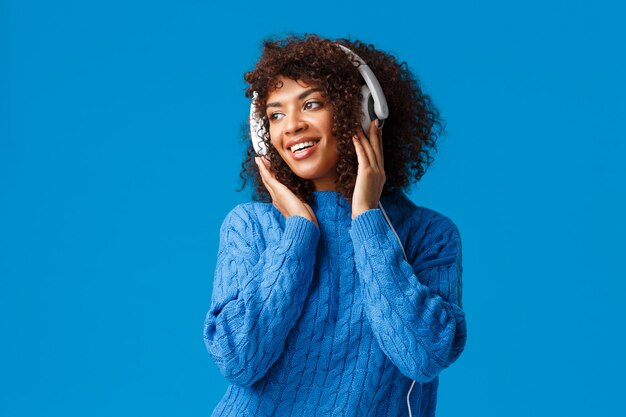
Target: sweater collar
[[330, 206]]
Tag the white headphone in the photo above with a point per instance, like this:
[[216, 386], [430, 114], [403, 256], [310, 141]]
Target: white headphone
[[373, 105]]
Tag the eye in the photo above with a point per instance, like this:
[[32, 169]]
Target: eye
[[275, 116], [313, 104]]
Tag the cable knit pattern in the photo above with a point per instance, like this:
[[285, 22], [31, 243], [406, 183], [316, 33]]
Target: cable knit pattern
[[334, 321]]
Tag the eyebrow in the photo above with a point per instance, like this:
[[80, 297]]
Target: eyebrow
[[300, 97]]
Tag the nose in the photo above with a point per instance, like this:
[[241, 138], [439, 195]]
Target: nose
[[294, 123]]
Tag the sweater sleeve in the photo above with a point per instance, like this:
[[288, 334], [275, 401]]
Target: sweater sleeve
[[414, 309], [258, 292]]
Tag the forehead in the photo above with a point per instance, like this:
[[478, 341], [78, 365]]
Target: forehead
[[288, 89]]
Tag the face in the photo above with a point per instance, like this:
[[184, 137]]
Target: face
[[300, 120]]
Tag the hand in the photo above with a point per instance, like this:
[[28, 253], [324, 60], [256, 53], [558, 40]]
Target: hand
[[370, 178], [282, 197]]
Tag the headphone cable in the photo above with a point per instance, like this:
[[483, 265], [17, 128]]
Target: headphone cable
[[382, 209]]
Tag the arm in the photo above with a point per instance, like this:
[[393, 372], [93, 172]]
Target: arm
[[258, 293], [414, 309]]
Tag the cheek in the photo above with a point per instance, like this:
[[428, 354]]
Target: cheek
[[273, 137], [277, 147], [333, 145]]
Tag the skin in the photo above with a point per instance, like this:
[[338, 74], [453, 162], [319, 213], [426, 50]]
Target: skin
[[297, 110]]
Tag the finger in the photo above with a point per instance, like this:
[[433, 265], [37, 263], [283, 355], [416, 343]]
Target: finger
[[266, 161], [265, 175], [271, 191], [263, 164], [312, 214], [369, 151], [360, 152], [376, 144], [264, 170], [273, 186], [376, 139]]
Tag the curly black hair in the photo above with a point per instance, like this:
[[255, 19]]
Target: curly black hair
[[410, 132]]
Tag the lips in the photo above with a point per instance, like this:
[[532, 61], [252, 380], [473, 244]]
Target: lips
[[301, 148], [302, 145]]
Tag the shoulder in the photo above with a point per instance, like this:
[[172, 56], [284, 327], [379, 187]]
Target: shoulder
[[257, 226], [251, 211], [425, 231], [406, 213], [250, 218]]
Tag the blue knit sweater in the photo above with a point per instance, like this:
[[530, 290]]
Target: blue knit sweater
[[333, 321]]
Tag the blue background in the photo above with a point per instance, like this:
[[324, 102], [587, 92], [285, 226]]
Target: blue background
[[119, 158]]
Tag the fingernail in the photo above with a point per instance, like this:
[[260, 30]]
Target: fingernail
[[376, 122]]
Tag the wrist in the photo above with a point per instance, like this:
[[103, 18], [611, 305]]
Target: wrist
[[360, 209]]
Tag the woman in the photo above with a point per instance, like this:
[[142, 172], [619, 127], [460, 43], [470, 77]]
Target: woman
[[318, 307]]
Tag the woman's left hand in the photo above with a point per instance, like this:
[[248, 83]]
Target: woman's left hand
[[370, 178]]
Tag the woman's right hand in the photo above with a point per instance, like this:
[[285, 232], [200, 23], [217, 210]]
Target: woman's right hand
[[282, 197]]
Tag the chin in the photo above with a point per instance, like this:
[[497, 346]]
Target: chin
[[312, 173]]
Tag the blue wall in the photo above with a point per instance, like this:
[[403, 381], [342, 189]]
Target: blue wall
[[119, 157]]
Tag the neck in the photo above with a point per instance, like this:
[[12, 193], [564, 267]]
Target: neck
[[324, 184]]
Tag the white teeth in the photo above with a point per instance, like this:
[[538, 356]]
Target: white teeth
[[302, 145]]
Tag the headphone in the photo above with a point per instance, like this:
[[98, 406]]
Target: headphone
[[373, 105]]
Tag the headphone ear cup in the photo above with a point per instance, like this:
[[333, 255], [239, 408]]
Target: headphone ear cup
[[257, 129], [367, 109]]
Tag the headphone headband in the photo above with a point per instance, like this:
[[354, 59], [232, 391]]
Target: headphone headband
[[380, 103]]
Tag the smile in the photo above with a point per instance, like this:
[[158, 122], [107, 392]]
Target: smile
[[300, 147], [304, 149]]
